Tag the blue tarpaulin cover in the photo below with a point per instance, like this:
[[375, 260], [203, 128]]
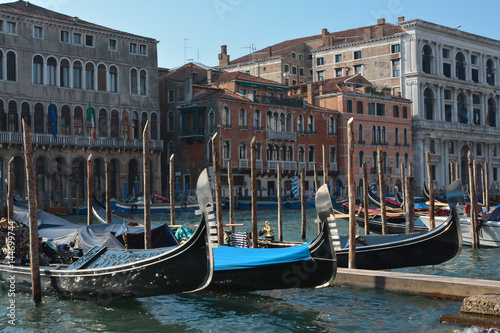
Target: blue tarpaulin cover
[[230, 258], [493, 216]]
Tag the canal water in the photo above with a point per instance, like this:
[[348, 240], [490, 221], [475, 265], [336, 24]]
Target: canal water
[[331, 309]]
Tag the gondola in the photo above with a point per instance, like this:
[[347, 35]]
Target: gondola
[[436, 198], [433, 247], [104, 273], [375, 200]]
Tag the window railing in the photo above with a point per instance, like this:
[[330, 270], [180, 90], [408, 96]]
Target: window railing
[[333, 165], [271, 135], [243, 163], [243, 127]]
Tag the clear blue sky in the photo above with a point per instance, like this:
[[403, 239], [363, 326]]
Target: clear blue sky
[[208, 24]]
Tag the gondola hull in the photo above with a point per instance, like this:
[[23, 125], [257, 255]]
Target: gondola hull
[[406, 250], [103, 273]]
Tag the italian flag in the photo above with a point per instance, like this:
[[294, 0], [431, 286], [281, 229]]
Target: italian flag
[[90, 116]]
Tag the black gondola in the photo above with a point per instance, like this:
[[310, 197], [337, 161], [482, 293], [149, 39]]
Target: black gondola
[[432, 247], [375, 200], [104, 273], [436, 198]]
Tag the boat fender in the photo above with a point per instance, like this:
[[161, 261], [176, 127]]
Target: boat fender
[[134, 207], [287, 205], [183, 205]]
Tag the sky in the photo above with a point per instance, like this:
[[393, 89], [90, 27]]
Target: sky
[[194, 30]]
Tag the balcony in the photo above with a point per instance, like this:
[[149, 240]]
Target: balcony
[[285, 136], [191, 134], [78, 141], [292, 102], [243, 163], [333, 166]]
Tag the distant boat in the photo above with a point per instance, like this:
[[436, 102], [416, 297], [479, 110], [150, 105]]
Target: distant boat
[[137, 207], [264, 203]]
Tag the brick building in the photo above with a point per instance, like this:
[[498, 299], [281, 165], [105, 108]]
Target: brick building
[[48, 58], [239, 106]]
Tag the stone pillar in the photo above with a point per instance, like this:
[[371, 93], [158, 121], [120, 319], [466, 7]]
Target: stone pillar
[[439, 112], [453, 63], [439, 59], [454, 116], [470, 111]]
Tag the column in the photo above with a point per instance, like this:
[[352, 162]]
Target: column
[[439, 59], [438, 112], [470, 112], [58, 74], [453, 63], [484, 106], [468, 69], [443, 181], [482, 68], [418, 55], [454, 117]]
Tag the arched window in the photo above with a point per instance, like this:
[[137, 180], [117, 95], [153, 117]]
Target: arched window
[[170, 121], [397, 160], [361, 158], [275, 122], [407, 161], [143, 123], [333, 156], [269, 121], [133, 82], [395, 111], [243, 151], [154, 126], [282, 127], [101, 77], [78, 122], [426, 59], [310, 125], [460, 66], [375, 161], [490, 72], [289, 154], [226, 117], [226, 150], [142, 83], [359, 107], [300, 124], [311, 154], [491, 118], [243, 119], [25, 112], [38, 118], [331, 126], [64, 73], [3, 117], [77, 75], [88, 123], [103, 123], [256, 121], [462, 109], [360, 133], [379, 135], [396, 136], [51, 71], [89, 76], [269, 152], [288, 128], [302, 154], [37, 70], [115, 124], [405, 137], [13, 117], [428, 104], [374, 134], [11, 66], [65, 120], [135, 126], [258, 152], [113, 79]]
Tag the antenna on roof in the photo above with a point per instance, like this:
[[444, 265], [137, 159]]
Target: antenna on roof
[[185, 48]]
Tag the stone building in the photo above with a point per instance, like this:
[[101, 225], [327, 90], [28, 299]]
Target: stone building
[[51, 61], [238, 107]]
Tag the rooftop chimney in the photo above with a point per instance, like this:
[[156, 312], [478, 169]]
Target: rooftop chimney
[[269, 52], [223, 56], [325, 36], [309, 93], [381, 21], [367, 33], [209, 76], [401, 19]]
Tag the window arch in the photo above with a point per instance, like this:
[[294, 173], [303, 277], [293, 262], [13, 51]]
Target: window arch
[[282, 127], [300, 124], [331, 125], [77, 75], [135, 126], [361, 158], [302, 153], [115, 124], [289, 154], [11, 66], [407, 161], [226, 117], [333, 156], [312, 155], [3, 117], [64, 73], [101, 77], [51, 71], [426, 59], [395, 111], [374, 134], [142, 83], [275, 125], [1, 65], [256, 121], [243, 151], [269, 121], [113, 79], [25, 112], [78, 122], [243, 119], [49, 120], [359, 107], [405, 137], [170, 121], [103, 123], [65, 120], [226, 150], [89, 76], [490, 72], [133, 82], [360, 133], [397, 160], [460, 66], [396, 136], [154, 126], [462, 109], [428, 104], [289, 124], [37, 69], [310, 125], [39, 120], [126, 132], [13, 117], [491, 118]]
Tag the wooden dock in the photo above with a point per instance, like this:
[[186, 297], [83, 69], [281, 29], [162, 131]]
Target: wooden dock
[[416, 284]]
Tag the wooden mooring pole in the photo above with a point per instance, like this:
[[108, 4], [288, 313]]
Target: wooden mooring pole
[[381, 190], [218, 189], [231, 196], [350, 193], [36, 290], [90, 190], [325, 167], [486, 187], [365, 197], [303, 203], [471, 195], [410, 204], [280, 207], [172, 190], [403, 188], [476, 203], [431, 190], [147, 186], [253, 180], [107, 170], [10, 190]]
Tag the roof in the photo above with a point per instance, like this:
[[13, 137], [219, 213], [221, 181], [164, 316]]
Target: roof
[[338, 84], [224, 76], [27, 9], [315, 41], [210, 94]]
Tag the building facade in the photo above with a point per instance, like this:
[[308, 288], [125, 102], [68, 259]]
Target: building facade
[[52, 62]]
